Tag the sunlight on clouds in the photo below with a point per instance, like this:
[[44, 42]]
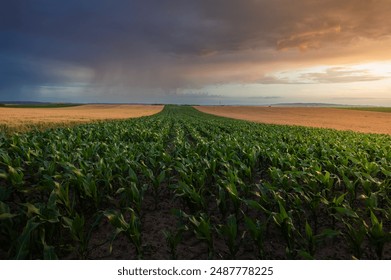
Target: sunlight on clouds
[[357, 73], [377, 68], [224, 50], [309, 39]]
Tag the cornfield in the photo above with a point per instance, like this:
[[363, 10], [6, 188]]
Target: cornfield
[[182, 184]]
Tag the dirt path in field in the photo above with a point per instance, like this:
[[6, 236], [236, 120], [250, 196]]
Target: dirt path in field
[[18, 117], [341, 119]]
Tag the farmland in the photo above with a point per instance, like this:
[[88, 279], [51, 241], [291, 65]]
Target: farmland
[[182, 184], [370, 109], [26, 117], [363, 119]]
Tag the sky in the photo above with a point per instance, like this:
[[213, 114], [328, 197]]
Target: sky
[[207, 52]]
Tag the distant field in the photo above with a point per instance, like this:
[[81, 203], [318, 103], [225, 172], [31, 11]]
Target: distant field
[[341, 119], [39, 105], [371, 109], [21, 119]]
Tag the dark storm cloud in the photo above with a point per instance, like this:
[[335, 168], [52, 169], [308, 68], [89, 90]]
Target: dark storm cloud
[[173, 44]]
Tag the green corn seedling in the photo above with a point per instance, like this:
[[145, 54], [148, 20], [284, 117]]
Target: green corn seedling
[[203, 230], [355, 235], [285, 223], [229, 232], [77, 229], [377, 236], [257, 232], [173, 239], [311, 240], [131, 229]]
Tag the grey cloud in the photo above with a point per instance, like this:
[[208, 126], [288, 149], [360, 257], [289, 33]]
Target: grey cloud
[[118, 29], [265, 97], [162, 45], [194, 94]]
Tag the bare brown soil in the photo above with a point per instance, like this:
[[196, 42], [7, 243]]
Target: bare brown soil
[[341, 119], [19, 117]]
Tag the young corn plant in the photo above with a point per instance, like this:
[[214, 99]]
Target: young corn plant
[[7, 227], [48, 251], [203, 230], [78, 232], [15, 176], [64, 197], [350, 187], [355, 236], [195, 201], [285, 223], [132, 196], [339, 209], [157, 185], [90, 189], [257, 232], [312, 200], [26, 241], [309, 252], [131, 229], [234, 196], [222, 201], [372, 201], [156, 181], [41, 227], [377, 236], [173, 238], [229, 232]]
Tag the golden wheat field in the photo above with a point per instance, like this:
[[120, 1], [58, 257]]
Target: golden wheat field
[[19, 118], [341, 119]]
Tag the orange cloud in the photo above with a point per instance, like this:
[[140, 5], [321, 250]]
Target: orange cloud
[[308, 40]]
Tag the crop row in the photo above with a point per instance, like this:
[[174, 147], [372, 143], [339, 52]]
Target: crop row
[[183, 184]]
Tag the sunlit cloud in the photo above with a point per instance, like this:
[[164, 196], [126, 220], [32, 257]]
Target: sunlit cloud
[[308, 40], [331, 74], [138, 51], [341, 75]]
